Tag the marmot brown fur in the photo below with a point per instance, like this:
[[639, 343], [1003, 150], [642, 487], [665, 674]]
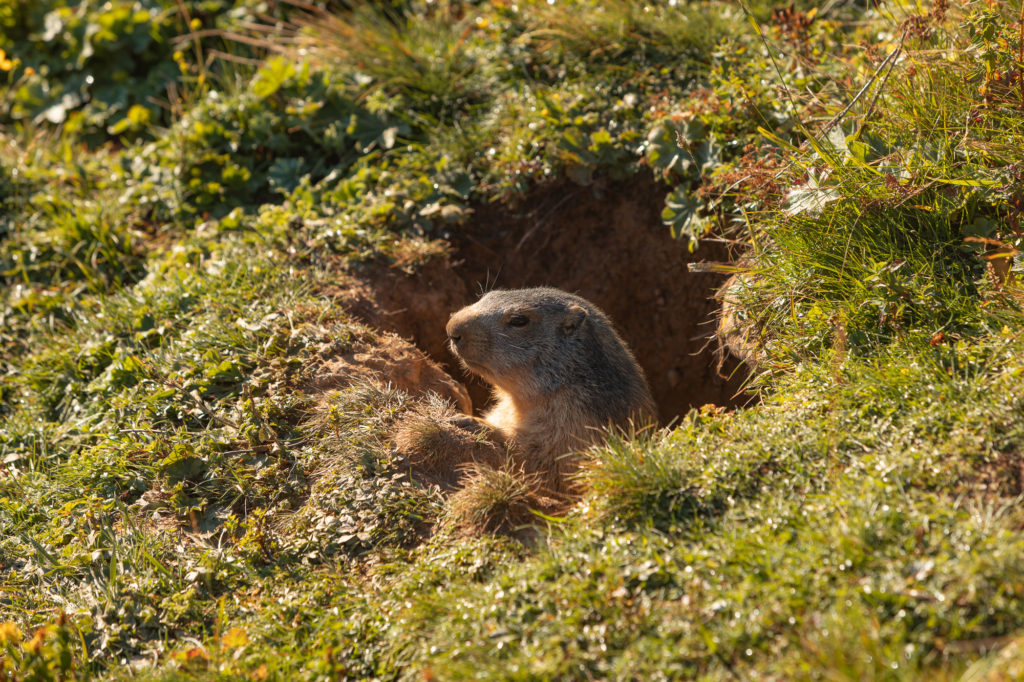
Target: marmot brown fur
[[561, 374]]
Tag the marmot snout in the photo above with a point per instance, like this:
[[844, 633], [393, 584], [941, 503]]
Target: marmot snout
[[560, 372]]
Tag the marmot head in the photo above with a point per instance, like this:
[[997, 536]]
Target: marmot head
[[527, 341]]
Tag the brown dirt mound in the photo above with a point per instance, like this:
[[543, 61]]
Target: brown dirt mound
[[415, 306], [389, 359], [605, 242], [438, 450]]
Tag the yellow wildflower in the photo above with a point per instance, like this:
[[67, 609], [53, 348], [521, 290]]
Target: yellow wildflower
[[5, 63], [36, 645], [9, 632], [235, 637]]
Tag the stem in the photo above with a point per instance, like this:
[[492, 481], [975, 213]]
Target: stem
[[1020, 51]]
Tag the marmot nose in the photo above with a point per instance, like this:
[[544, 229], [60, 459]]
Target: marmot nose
[[455, 332]]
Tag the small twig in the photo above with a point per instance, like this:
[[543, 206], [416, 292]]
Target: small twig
[[256, 450], [828, 7], [540, 223], [208, 411], [228, 57], [226, 35], [890, 58], [976, 646], [885, 79], [1020, 53], [197, 44], [718, 268]]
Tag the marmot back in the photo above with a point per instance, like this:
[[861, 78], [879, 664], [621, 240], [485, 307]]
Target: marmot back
[[561, 373]]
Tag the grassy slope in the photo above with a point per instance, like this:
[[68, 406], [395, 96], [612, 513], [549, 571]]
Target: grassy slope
[[169, 488]]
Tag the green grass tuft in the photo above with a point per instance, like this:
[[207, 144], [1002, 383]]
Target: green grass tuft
[[494, 500]]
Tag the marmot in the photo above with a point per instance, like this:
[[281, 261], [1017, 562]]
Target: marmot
[[560, 372]]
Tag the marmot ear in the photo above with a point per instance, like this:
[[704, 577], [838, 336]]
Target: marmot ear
[[574, 318]]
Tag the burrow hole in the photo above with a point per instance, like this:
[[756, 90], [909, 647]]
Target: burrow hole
[[605, 242]]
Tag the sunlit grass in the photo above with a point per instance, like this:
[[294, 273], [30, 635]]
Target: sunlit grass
[[495, 500]]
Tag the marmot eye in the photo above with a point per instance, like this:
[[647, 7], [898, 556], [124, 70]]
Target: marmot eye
[[518, 321]]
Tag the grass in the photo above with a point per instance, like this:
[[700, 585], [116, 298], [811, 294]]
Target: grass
[[494, 500], [750, 540], [176, 502]]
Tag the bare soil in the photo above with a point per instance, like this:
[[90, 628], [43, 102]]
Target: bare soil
[[389, 359], [605, 242]]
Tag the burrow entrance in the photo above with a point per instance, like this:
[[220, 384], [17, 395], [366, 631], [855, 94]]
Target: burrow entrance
[[605, 242]]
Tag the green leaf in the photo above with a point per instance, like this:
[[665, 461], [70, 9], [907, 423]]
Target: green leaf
[[682, 216], [286, 174], [274, 74], [664, 154], [809, 198]]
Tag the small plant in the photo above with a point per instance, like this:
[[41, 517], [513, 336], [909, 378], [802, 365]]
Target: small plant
[[426, 67], [48, 655], [657, 479], [495, 500], [436, 446]]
